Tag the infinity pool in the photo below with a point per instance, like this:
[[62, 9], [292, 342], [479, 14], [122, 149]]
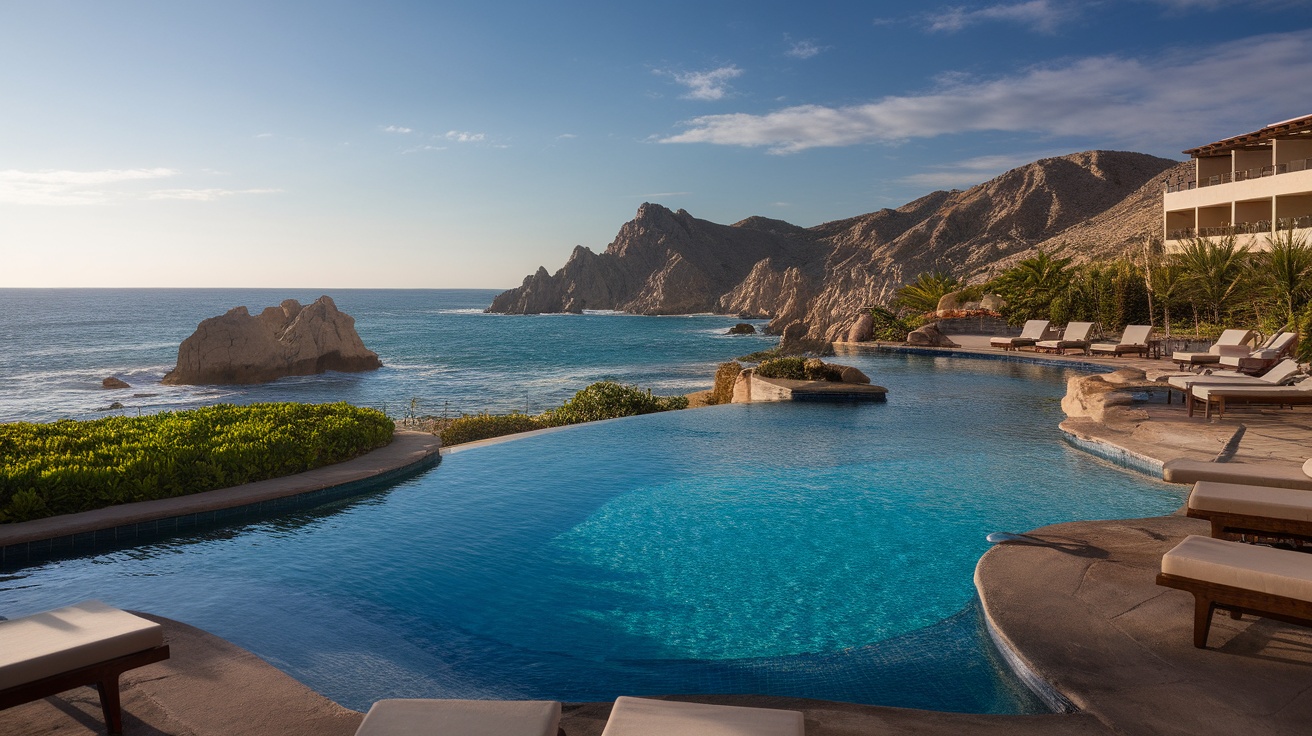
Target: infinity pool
[[810, 550]]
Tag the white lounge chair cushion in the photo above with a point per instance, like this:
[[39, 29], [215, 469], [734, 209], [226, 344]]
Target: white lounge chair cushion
[[1206, 392], [644, 717], [1184, 382], [45, 644], [419, 717], [1250, 500], [1262, 569], [1276, 475]]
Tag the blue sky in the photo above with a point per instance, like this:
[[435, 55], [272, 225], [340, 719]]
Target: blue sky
[[432, 144]]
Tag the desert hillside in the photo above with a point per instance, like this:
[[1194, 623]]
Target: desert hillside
[[1086, 205]]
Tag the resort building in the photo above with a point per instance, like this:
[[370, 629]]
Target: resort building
[[1249, 186]]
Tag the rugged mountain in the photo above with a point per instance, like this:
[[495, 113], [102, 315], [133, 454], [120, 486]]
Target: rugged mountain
[[1085, 205]]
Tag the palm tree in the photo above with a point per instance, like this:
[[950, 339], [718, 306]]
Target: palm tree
[[1168, 286], [1031, 285], [1214, 272], [922, 295], [1285, 271]]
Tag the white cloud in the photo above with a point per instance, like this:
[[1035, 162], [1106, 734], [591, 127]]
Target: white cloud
[[63, 187], [566, 136], [424, 149], [971, 171], [205, 195], [464, 137], [398, 129], [1170, 100], [804, 50], [264, 135], [708, 85], [1039, 15]]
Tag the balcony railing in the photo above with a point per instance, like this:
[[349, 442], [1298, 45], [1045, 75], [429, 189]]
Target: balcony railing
[[1260, 227], [1182, 184]]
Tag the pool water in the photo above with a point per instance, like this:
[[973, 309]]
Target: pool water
[[811, 550]]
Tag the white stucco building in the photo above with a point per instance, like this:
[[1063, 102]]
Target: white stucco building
[[1249, 185]]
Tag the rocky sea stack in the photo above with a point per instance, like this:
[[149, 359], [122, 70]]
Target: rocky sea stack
[[287, 340]]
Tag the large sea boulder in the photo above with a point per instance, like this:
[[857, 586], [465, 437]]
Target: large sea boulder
[[287, 340]]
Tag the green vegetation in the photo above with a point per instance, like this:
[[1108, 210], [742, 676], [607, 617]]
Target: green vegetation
[[1210, 284], [798, 369], [760, 355], [601, 400], [68, 466], [725, 375]]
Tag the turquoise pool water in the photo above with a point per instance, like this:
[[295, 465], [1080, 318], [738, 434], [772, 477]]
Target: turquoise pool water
[[811, 550]]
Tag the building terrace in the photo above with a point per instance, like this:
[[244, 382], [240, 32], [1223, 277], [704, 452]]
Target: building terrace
[[1248, 186]]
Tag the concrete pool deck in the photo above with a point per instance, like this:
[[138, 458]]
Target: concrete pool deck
[[1081, 611]]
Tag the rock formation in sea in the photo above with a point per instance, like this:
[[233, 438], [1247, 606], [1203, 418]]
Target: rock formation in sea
[[287, 340], [817, 280]]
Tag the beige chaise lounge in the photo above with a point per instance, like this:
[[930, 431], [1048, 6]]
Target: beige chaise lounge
[[1283, 373], [419, 717], [645, 717], [1231, 342], [1270, 353], [1239, 578], [1273, 475], [88, 643], [1237, 509], [1221, 396], [1133, 340], [1033, 331], [1076, 336]]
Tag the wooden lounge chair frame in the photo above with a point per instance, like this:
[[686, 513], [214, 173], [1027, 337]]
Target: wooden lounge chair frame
[[1042, 326], [1259, 397], [1208, 597], [104, 675], [1120, 347], [1062, 344], [1227, 525]]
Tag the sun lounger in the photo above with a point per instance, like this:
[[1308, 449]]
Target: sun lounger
[[645, 717], [419, 717], [1231, 342], [1283, 373], [1261, 474], [1220, 396], [1275, 349], [89, 643], [1033, 331], [1239, 578], [1133, 340], [1075, 337], [1238, 509]]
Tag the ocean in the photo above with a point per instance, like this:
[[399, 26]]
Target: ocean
[[441, 354]]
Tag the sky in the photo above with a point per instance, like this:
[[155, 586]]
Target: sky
[[388, 144]]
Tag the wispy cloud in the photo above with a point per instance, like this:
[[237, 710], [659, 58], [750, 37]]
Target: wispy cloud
[[398, 129], [804, 49], [971, 171], [204, 195], [64, 187], [1039, 15], [707, 85], [1170, 99], [460, 136], [426, 148], [566, 136]]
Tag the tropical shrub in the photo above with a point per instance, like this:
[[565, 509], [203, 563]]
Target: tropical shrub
[[67, 466], [760, 355], [474, 427], [791, 368], [923, 294], [725, 376], [888, 326], [609, 400], [1031, 286]]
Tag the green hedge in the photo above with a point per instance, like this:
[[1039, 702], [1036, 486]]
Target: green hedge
[[601, 400], [69, 466]]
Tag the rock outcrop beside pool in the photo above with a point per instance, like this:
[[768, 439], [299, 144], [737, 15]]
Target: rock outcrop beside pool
[[287, 340]]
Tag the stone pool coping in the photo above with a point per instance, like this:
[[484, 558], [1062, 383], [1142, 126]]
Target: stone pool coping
[[33, 541]]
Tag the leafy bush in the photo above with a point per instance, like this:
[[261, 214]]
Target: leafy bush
[[791, 368], [887, 326], [65, 467], [474, 427], [725, 376], [760, 355], [608, 400]]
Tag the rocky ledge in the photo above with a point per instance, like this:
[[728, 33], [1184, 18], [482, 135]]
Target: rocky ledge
[[287, 340]]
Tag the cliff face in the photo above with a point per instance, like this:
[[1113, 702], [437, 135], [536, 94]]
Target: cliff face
[[1085, 205]]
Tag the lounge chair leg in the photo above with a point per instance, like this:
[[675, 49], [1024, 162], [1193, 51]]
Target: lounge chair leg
[[1202, 620], [110, 704]]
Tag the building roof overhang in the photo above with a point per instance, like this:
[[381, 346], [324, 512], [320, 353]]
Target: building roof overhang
[[1294, 126]]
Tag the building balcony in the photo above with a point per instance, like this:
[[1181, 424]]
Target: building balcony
[[1181, 185]]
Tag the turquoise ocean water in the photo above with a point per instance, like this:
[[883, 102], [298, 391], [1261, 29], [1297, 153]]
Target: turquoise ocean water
[[437, 346]]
